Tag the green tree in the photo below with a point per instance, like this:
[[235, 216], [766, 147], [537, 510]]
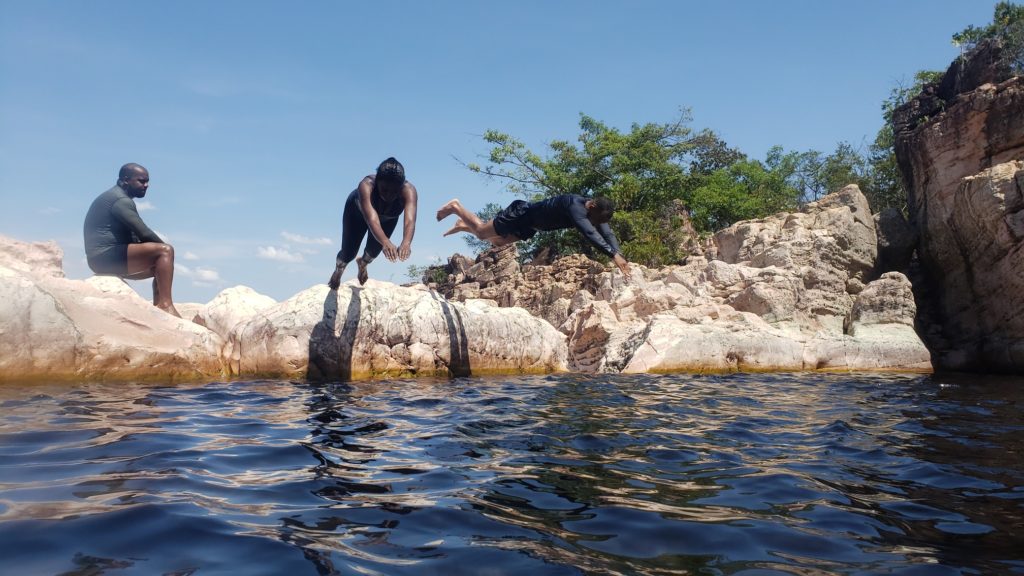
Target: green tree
[[884, 187], [640, 170], [659, 175], [1007, 27], [745, 190], [817, 175]]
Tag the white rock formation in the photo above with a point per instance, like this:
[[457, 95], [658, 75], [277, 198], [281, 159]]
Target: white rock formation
[[386, 330], [52, 327], [785, 292]]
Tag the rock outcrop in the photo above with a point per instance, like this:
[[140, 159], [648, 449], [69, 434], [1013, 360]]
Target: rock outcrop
[[383, 330], [230, 308], [960, 147], [788, 292], [55, 328]]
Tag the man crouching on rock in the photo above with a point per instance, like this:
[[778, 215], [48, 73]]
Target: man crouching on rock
[[118, 242]]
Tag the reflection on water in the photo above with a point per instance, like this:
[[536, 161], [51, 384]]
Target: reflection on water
[[567, 474]]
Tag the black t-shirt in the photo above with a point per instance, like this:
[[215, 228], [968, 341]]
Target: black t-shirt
[[113, 219], [570, 211]]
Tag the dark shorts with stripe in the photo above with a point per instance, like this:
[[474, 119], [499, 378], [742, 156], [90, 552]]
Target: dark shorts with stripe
[[514, 220], [111, 261]]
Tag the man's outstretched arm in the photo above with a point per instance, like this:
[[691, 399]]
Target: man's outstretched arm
[[617, 257], [409, 227]]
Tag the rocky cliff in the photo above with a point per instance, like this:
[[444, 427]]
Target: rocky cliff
[[960, 148], [788, 292]]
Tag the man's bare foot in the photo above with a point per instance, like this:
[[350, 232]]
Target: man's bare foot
[[460, 226], [335, 280], [170, 309], [447, 210], [362, 275]]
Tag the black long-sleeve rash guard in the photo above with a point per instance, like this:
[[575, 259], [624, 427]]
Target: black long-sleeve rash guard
[[113, 219], [570, 211]]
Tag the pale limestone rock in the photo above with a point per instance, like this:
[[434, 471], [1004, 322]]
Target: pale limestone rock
[[382, 330], [189, 310], [33, 258], [598, 341], [114, 287], [886, 301], [231, 306], [36, 335], [776, 293], [57, 328], [773, 299], [836, 232], [741, 342]]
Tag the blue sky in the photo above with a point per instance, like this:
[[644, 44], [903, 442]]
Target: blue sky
[[256, 119]]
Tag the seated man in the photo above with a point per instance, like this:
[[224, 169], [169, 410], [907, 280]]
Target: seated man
[[521, 220], [118, 243]]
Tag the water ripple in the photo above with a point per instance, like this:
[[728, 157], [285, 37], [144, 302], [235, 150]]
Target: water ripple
[[565, 474]]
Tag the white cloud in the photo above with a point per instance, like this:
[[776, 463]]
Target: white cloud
[[299, 239], [49, 211], [145, 206], [279, 254], [200, 276], [190, 256], [207, 275]]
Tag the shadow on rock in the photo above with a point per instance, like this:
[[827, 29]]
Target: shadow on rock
[[330, 348], [458, 344]]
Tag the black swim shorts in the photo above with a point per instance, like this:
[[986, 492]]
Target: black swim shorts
[[514, 220], [112, 261]]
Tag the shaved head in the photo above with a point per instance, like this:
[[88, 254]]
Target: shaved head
[[129, 170], [133, 179]]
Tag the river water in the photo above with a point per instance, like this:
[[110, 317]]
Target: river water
[[738, 474]]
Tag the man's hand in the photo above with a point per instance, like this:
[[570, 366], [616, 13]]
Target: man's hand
[[404, 250], [390, 251], [622, 264]]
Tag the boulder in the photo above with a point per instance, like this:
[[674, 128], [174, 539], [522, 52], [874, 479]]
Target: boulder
[[230, 307], [383, 330], [33, 258], [55, 328]]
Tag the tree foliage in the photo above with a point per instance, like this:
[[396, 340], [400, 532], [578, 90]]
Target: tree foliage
[[1007, 27], [658, 175]]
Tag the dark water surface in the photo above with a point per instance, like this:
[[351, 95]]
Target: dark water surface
[[745, 474]]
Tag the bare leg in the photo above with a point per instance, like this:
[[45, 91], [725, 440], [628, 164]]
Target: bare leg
[[468, 221], [501, 240], [448, 209], [459, 226], [469, 218], [156, 260]]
